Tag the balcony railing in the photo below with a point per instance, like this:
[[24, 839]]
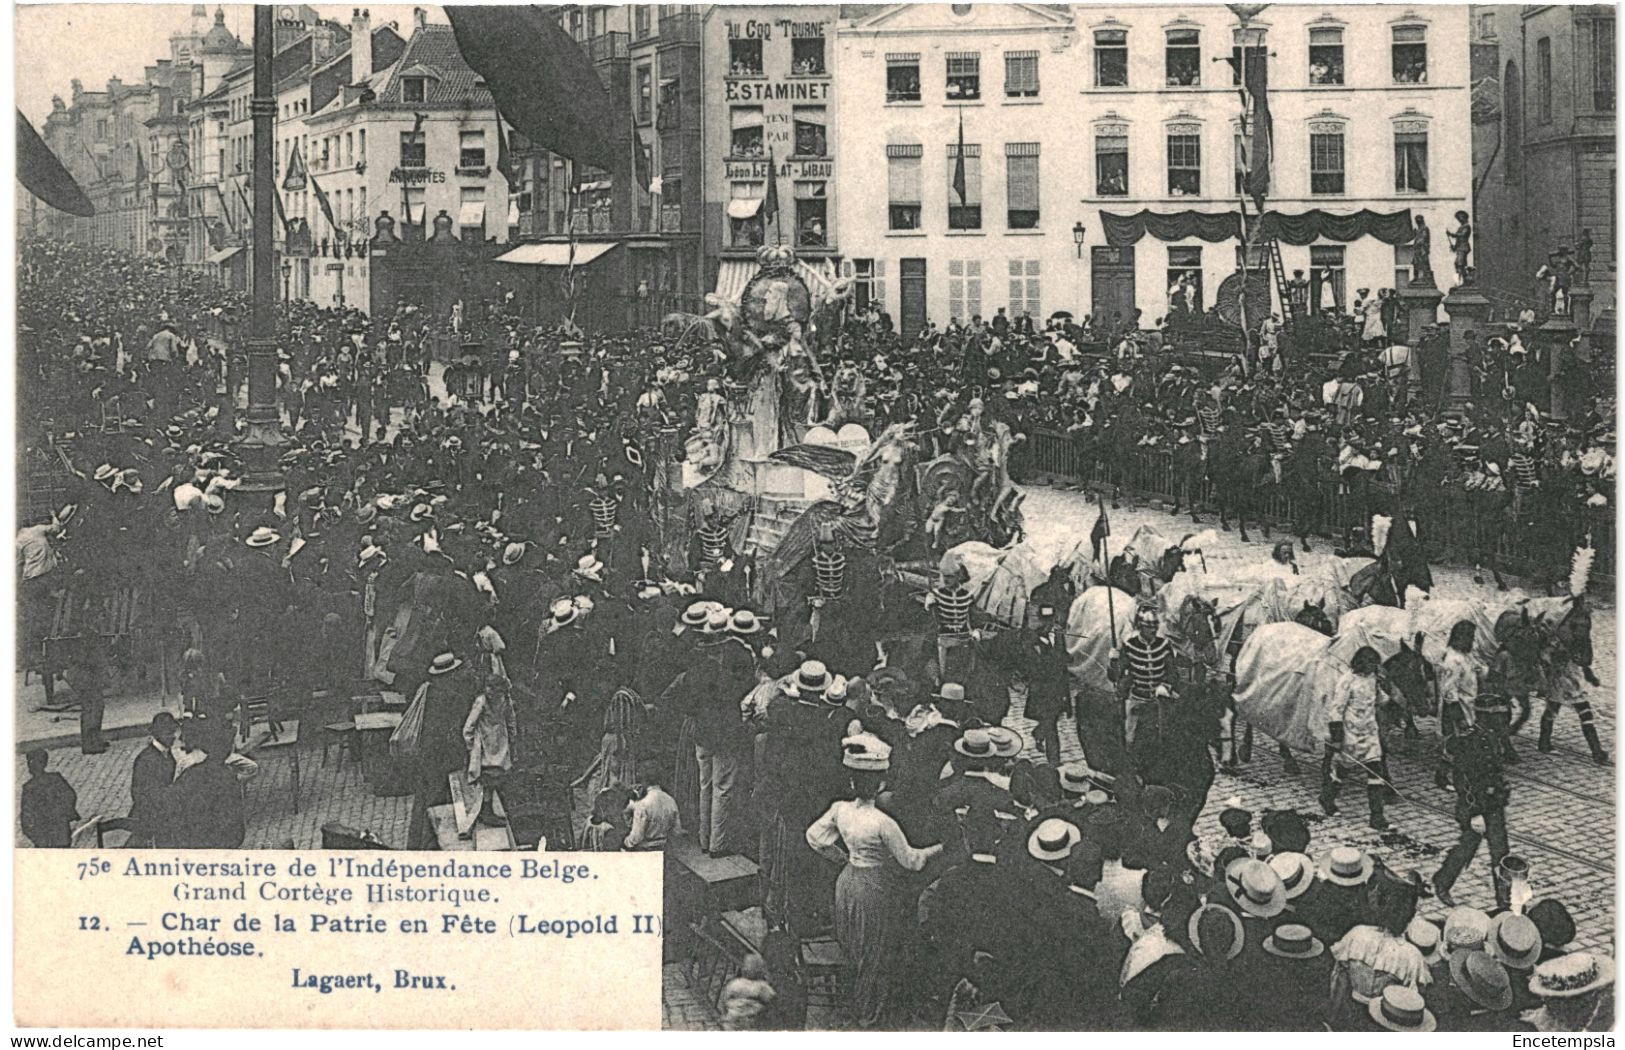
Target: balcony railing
[[607, 47]]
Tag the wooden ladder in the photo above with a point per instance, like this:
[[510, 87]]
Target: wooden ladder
[[1283, 291]]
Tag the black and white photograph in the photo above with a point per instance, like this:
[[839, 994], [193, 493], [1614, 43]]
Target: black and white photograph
[[1041, 517]]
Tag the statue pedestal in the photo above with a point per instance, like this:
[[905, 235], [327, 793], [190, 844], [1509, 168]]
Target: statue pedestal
[[1420, 306], [1580, 307], [1469, 314]]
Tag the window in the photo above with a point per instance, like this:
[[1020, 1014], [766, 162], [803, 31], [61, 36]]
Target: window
[[964, 288], [1184, 165], [1184, 57], [1328, 277], [1486, 26], [1111, 165], [964, 76], [1326, 162], [1411, 161], [1021, 185], [1021, 74], [745, 58], [1254, 57], [903, 78], [811, 139], [1111, 58], [869, 284], [1410, 55], [1602, 65], [640, 21], [1543, 80], [745, 214], [807, 57], [1184, 281], [645, 93], [747, 132], [671, 204], [471, 149], [1024, 288], [413, 89], [812, 215], [578, 27], [903, 187], [597, 22], [414, 152], [1325, 56], [349, 149], [965, 174], [361, 144], [1402, 266]]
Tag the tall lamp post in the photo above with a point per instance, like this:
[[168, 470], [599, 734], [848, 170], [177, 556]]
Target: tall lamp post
[[260, 446]]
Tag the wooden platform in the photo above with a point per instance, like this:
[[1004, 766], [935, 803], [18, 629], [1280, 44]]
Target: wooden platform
[[465, 808], [721, 883]]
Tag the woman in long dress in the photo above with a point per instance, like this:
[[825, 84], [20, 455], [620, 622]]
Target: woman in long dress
[[871, 912]]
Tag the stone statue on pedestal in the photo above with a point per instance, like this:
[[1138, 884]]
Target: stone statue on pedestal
[[1422, 254], [1583, 259], [1461, 244]]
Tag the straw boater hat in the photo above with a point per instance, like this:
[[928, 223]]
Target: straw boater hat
[[445, 663], [1006, 742], [1465, 930], [951, 691], [1399, 1009], [1213, 912], [811, 679], [1483, 980], [104, 472], [1347, 866], [975, 743], [1052, 840], [1424, 936], [1078, 779], [1570, 975], [1296, 871], [1514, 941], [589, 566], [1255, 888], [512, 553], [1292, 941], [564, 613], [695, 615], [717, 620], [744, 622], [262, 537]]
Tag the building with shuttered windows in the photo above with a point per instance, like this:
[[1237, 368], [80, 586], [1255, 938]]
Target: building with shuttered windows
[[1073, 116]]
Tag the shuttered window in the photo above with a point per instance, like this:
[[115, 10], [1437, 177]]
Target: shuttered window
[[1021, 182]]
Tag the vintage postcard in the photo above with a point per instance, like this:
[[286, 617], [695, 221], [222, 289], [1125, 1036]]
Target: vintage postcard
[[902, 517]]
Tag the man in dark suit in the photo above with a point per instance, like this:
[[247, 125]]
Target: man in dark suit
[[150, 779], [970, 908], [204, 809]]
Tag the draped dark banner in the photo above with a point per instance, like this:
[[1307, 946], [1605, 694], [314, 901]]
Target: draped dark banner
[[1304, 228]]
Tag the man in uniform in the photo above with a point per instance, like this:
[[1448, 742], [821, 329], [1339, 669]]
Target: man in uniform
[[1143, 670], [1476, 757]]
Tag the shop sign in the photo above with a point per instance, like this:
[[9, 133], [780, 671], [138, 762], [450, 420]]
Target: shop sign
[[417, 176], [777, 90]]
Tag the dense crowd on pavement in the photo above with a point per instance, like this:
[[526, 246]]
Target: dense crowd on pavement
[[499, 558]]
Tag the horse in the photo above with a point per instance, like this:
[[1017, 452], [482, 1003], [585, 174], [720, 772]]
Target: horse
[[1302, 479], [1238, 469], [1189, 470]]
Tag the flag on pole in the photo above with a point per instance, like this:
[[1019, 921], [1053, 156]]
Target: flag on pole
[[961, 187], [322, 203], [43, 175], [281, 215], [140, 170], [1261, 146], [226, 211], [505, 159], [1098, 534], [294, 181], [242, 193], [770, 204]]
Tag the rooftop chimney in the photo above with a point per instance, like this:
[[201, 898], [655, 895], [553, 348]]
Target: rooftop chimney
[[360, 45], [419, 18]]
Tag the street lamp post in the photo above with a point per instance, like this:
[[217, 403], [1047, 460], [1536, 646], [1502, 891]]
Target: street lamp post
[[260, 445], [1077, 239]]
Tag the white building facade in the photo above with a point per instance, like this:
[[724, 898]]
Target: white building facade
[[1132, 109]]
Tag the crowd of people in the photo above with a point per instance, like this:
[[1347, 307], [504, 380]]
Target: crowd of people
[[507, 560]]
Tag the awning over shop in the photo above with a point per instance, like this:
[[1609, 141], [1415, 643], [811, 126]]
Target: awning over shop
[[1305, 228], [513, 211], [555, 253], [471, 213], [734, 274], [225, 253], [744, 207]]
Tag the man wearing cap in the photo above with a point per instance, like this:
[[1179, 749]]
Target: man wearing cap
[[979, 779], [1476, 757]]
